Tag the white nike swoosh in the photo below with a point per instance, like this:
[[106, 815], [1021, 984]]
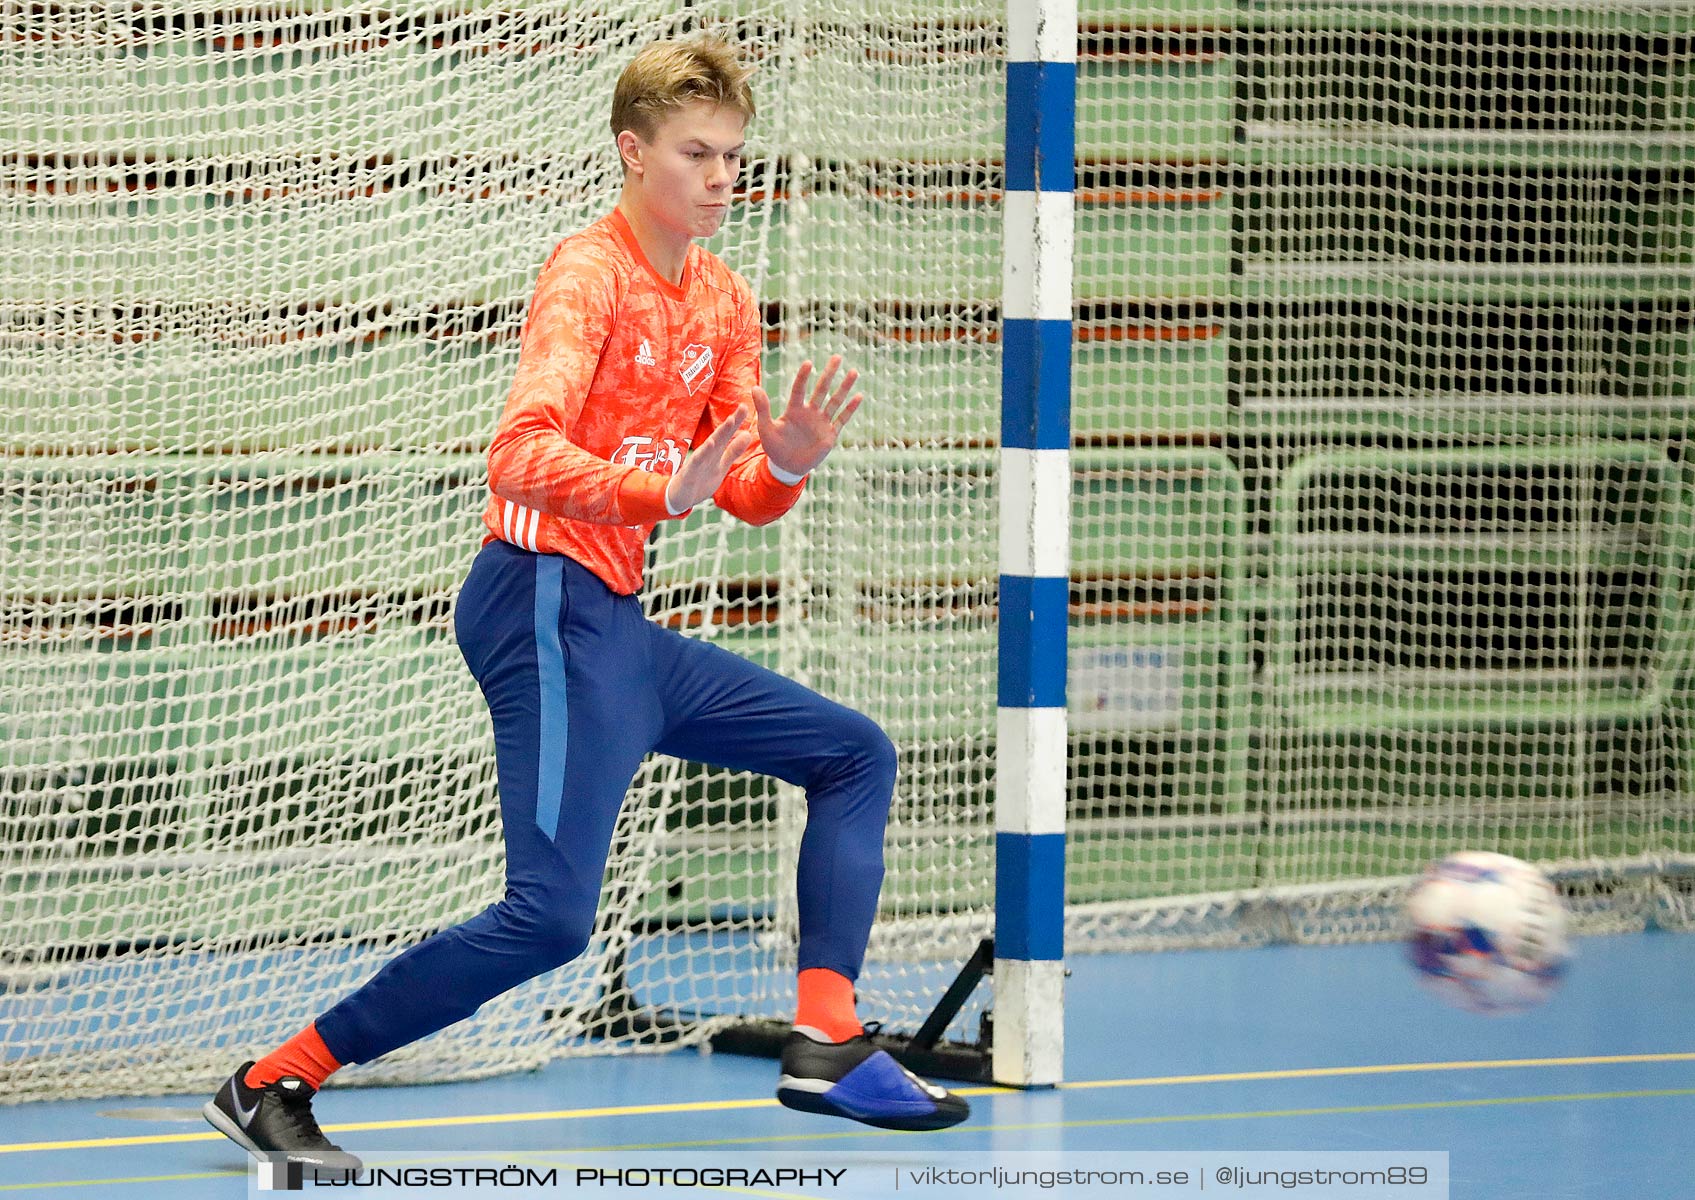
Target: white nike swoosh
[[243, 1115]]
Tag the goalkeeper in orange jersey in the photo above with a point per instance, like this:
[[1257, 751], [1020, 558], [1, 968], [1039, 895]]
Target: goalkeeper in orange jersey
[[636, 398]]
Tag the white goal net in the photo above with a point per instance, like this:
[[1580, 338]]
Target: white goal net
[[1393, 300], [267, 269]]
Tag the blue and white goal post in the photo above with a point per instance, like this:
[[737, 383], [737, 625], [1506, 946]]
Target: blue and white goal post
[[1035, 499]]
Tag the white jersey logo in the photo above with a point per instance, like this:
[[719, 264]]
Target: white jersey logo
[[644, 356], [697, 369], [647, 454]]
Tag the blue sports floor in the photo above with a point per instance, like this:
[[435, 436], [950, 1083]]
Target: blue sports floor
[[1285, 1048]]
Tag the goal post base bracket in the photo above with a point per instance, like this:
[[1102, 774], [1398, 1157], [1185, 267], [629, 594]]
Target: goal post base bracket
[[923, 1052]]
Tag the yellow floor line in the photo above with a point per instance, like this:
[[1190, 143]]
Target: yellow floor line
[[1487, 1064], [1105, 1122], [702, 1106]]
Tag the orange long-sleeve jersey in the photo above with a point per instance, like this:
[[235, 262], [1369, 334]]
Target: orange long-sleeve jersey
[[620, 372]]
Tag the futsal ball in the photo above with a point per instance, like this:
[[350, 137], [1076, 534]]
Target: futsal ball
[[1487, 932]]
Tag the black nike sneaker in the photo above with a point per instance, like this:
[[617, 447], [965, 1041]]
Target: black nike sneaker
[[857, 1080], [275, 1122]]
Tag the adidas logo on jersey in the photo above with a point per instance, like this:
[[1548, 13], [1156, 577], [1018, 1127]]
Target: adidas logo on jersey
[[644, 356]]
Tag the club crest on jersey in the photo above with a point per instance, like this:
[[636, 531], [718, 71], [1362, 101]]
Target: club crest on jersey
[[646, 453], [697, 367]]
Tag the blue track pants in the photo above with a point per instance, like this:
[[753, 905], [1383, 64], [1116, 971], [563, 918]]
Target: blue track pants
[[581, 686]]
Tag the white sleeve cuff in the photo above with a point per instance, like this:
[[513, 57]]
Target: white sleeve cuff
[[675, 512], [782, 476]]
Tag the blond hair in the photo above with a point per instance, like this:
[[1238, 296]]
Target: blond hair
[[666, 76]]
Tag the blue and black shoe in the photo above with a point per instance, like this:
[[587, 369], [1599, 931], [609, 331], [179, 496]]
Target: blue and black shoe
[[855, 1079]]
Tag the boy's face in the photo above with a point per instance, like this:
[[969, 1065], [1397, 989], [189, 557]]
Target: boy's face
[[689, 167]]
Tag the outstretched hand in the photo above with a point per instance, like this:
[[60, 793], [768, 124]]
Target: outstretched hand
[[707, 464], [799, 440]]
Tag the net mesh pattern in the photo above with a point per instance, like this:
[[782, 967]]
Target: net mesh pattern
[[268, 269], [1388, 305]]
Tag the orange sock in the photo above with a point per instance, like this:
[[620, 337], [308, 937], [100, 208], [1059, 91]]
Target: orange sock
[[826, 1004], [304, 1056]]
